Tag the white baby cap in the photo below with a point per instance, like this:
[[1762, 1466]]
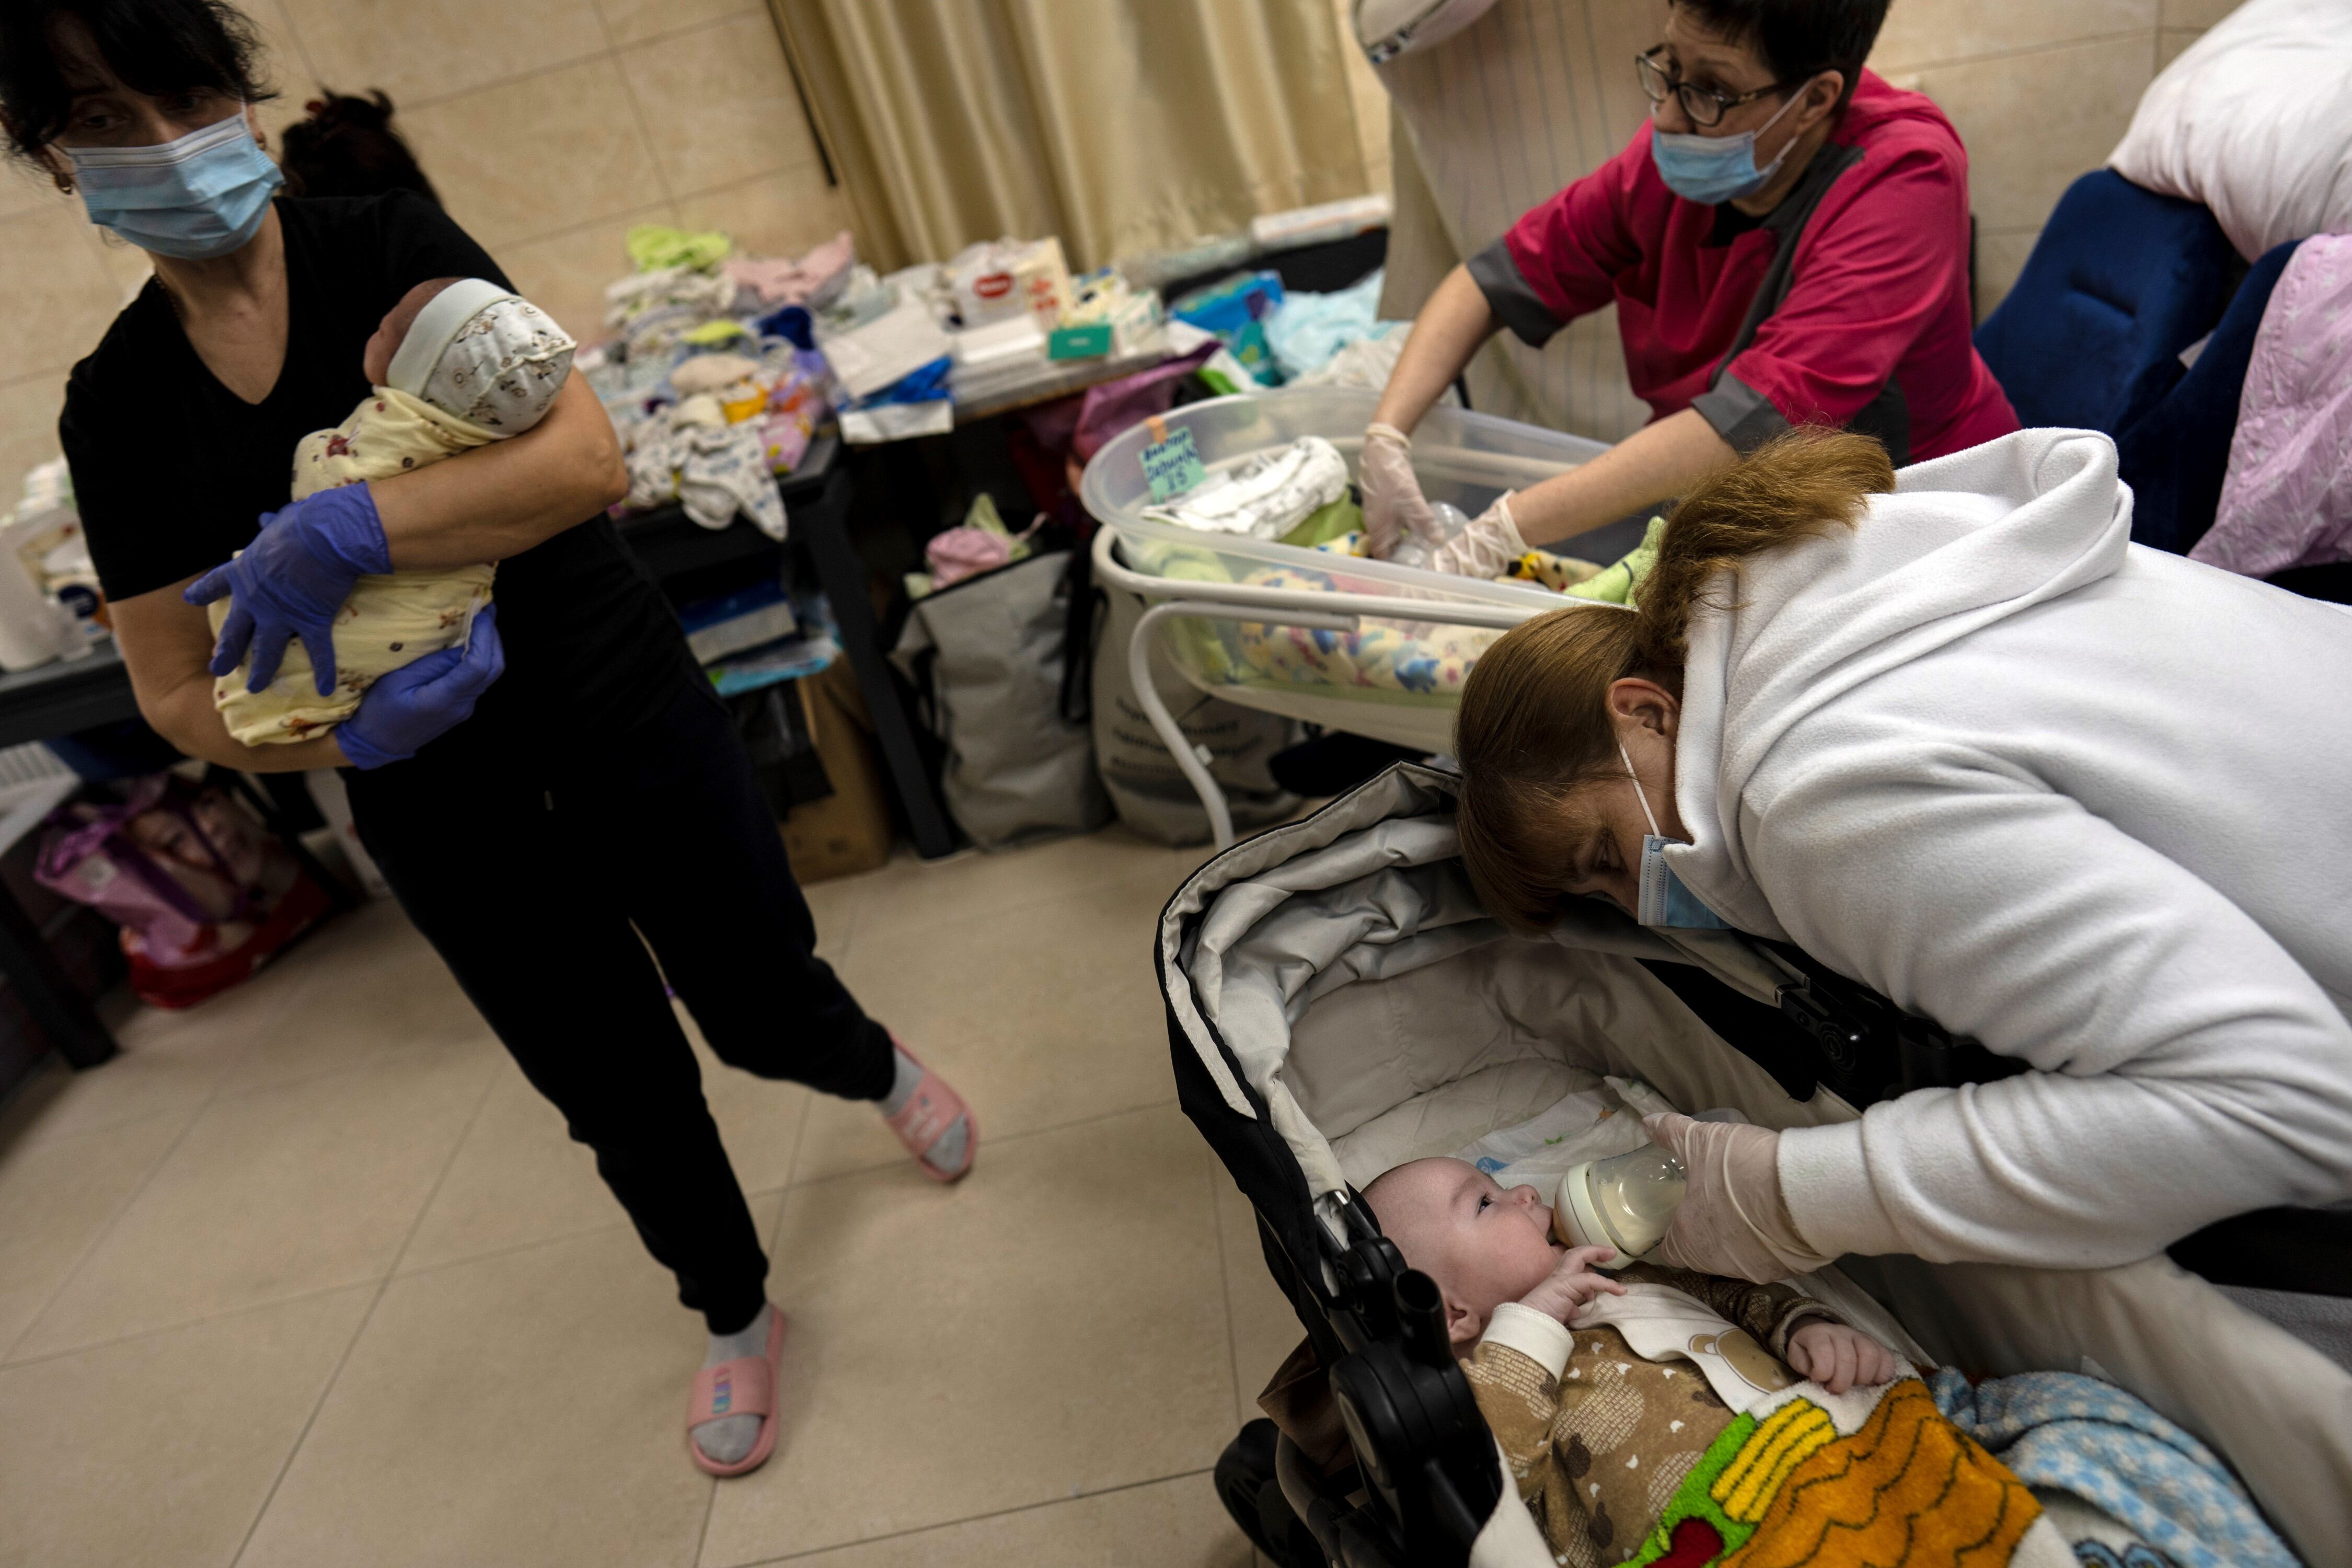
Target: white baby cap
[[486, 355]]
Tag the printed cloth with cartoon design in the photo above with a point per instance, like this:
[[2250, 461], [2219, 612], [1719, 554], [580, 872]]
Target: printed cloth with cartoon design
[[1717, 1454]]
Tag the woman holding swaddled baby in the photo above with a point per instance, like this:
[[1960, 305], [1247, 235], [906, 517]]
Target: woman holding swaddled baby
[[325, 422]]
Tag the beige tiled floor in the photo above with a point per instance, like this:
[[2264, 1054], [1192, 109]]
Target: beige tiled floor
[[310, 1274]]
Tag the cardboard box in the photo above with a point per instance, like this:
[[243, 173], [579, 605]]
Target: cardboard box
[[849, 831]]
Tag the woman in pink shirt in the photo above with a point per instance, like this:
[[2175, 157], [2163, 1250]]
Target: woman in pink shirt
[[1786, 242]]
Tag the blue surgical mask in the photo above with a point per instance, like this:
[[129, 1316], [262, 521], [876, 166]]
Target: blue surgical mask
[[1712, 169], [200, 197], [1664, 900]]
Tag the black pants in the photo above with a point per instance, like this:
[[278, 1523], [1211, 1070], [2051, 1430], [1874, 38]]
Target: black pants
[[527, 874]]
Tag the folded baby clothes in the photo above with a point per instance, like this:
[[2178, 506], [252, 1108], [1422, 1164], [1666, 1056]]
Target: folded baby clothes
[[2094, 1441], [712, 467], [815, 279], [1265, 497], [389, 620], [655, 246]]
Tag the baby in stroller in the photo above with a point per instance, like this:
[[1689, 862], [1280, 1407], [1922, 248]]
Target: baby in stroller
[[1638, 1412]]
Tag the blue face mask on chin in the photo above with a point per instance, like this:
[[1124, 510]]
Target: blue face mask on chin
[[1662, 899], [198, 197], [1715, 169]]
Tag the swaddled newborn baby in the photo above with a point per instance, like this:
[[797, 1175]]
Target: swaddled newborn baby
[[1654, 1416], [457, 363]]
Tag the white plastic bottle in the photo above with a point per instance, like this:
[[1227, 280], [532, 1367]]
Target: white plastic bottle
[[1625, 1201]]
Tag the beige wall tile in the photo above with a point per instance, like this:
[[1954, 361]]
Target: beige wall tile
[[57, 1198], [776, 215], [523, 1410], [421, 50], [2171, 41], [1175, 1523], [273, 1193], [565, 274], [161, 1449], [550, 153], [57, 298], [990, 1339], [2197, 13], [719, 103], [1918, 32], [634, 21], [24, 189], [2034, 122], [1999, 259], [28, 427]]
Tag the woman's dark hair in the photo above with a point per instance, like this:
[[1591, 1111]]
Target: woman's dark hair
[[1799, 38], [154, 46], [347, 148]]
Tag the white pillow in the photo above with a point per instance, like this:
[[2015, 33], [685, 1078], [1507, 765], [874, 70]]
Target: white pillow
[[2255, 120]]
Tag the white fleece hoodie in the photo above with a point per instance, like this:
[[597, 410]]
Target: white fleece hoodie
[[2086, 801]]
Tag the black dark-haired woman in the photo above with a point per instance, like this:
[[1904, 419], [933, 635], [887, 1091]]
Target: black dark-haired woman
[[349, 147], [564, 789]]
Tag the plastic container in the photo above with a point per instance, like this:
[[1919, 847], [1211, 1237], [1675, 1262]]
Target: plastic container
[[1625, 1201], [1463, 459]]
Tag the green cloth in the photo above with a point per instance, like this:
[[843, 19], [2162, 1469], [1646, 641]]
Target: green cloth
[[653, 246], [1326, 523], [1618, 584]]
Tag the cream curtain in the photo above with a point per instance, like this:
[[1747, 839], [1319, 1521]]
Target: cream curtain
[[1121, 125]]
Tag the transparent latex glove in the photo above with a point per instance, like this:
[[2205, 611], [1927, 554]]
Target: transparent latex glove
[[292, 579], [1733, 1219], [1393, 504], [1487, 548], [422, 701]]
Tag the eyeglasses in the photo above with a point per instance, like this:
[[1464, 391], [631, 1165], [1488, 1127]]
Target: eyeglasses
[[1703, 105]]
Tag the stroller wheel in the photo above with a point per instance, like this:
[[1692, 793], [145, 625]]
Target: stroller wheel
[[1247, 1487]]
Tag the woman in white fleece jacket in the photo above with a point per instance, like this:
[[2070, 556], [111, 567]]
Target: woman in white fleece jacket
[[1951, 733]]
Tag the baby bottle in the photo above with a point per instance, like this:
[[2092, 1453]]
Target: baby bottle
[[1625, 1202], [1414, 552]]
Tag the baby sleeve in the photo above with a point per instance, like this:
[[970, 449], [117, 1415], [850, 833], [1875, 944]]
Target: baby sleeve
[[1515, 1377]]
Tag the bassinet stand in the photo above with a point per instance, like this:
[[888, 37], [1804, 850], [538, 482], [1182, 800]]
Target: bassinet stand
[[1264, 607]]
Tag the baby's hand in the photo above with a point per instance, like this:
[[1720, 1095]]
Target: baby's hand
[[1838, 1358], [1572, 1283]]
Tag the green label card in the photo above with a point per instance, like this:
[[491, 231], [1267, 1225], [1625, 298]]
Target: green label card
[[1173, 465]]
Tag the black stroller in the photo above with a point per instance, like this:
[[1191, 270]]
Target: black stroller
[[1338, 1002]]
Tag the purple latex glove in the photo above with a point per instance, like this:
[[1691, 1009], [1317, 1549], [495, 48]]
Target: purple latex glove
[[422, 701], [290, 581]]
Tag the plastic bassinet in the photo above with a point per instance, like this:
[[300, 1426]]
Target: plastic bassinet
[[1338, 1002], [1368, 646]]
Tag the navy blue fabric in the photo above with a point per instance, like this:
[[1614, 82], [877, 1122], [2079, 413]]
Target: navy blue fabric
[[2121, 281], [2176, 456]]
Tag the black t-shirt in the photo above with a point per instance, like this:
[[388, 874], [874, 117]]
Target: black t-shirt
[[173, 471]]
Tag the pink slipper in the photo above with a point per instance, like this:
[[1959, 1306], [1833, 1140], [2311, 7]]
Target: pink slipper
[[744, 1386], [925, 1118]]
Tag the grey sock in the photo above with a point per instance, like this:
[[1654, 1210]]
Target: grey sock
[[729, 1437], [947, 1152]]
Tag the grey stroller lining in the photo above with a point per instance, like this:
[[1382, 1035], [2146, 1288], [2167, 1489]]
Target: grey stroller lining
[[1339, 1003]]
